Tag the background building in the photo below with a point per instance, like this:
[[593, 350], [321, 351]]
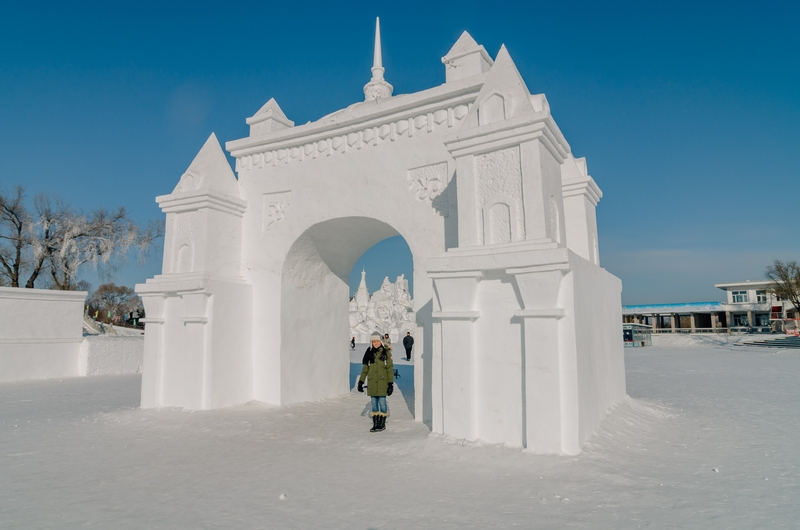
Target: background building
[[749, 306]]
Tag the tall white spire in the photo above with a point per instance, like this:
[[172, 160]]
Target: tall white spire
[[377, 58], [377, 86]]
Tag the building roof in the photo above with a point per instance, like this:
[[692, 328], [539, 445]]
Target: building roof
[[762, 284], [683, 307]]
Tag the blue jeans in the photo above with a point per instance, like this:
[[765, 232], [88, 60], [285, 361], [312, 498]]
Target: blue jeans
[[378, 404]]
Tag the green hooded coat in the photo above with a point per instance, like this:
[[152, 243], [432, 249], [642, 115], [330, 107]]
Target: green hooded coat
[[378, 370]]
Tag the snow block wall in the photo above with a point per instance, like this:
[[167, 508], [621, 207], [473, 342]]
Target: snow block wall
[[40, 333], [110, 355]]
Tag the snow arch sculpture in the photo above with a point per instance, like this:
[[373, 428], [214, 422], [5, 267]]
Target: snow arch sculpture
[[517, 326]]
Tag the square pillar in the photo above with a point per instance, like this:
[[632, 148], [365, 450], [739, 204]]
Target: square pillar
[[455, 414], [692, 321], [453, 358], [543, 405], [196, 348], [153, 358]]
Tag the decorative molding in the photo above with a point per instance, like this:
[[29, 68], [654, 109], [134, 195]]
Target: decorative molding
[[556, 313], [190, 201], [456, 315], [274, 209], [194, 320], [449, 117], [585, 186], [429, 184]]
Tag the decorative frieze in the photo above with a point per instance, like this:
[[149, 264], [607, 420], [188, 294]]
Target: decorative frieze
[[371, 136]]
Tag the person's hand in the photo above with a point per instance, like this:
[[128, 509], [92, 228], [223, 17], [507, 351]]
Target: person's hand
[[390, 389], [361, 386]]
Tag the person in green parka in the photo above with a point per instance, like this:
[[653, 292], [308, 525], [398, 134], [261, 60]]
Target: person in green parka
[[378, 371]]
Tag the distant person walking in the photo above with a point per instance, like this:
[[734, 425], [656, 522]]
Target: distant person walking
[[387, 342], [353, 344], [408, 343], [378, 371]]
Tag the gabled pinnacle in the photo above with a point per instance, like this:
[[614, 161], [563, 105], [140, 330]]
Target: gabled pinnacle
[[271, 109], [465, 59], [465, 44], [507, 91], [269, 118], [209, 170]]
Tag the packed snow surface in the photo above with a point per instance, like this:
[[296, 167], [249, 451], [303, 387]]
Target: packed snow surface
[[709, 438]]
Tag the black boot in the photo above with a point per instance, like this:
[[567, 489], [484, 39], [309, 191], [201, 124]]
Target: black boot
[[381, 422], [375, 420]]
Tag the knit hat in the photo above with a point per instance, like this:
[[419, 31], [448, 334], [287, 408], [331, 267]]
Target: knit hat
[[375, 336]]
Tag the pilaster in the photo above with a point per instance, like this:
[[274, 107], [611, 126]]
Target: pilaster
[[454, 353], [545, 383]]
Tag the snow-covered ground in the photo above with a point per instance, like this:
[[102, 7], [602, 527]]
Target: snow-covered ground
[[710, 438]]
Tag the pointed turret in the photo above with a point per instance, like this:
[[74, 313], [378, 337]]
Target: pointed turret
[[504, 95], [209, 171], [269, 118], [377, 86], [465, 59]]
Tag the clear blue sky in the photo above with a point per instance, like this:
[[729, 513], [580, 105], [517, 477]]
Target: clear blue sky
[[688, 113]]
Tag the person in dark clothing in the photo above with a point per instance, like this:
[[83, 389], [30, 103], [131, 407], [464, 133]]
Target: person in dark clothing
[[378, 371], [408, 343], [353, 343]]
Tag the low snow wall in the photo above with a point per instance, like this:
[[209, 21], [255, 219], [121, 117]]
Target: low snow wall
[[110, 355], [40, 333]]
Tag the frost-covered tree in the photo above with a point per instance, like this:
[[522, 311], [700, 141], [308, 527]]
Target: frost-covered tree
[[785, 281], [61, 241]]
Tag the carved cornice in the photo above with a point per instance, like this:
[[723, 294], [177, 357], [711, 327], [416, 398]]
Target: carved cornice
[[195, 200], [507, 133], [585, 186]]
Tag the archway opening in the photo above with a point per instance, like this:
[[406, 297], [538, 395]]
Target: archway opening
[[382, 300], [315, 323]]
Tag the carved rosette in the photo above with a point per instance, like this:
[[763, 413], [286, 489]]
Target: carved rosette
[[275, 206], [428, 184]]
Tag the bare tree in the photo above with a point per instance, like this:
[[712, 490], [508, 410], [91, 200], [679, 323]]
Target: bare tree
[[15, 243], [785, 281], [62, 241]]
